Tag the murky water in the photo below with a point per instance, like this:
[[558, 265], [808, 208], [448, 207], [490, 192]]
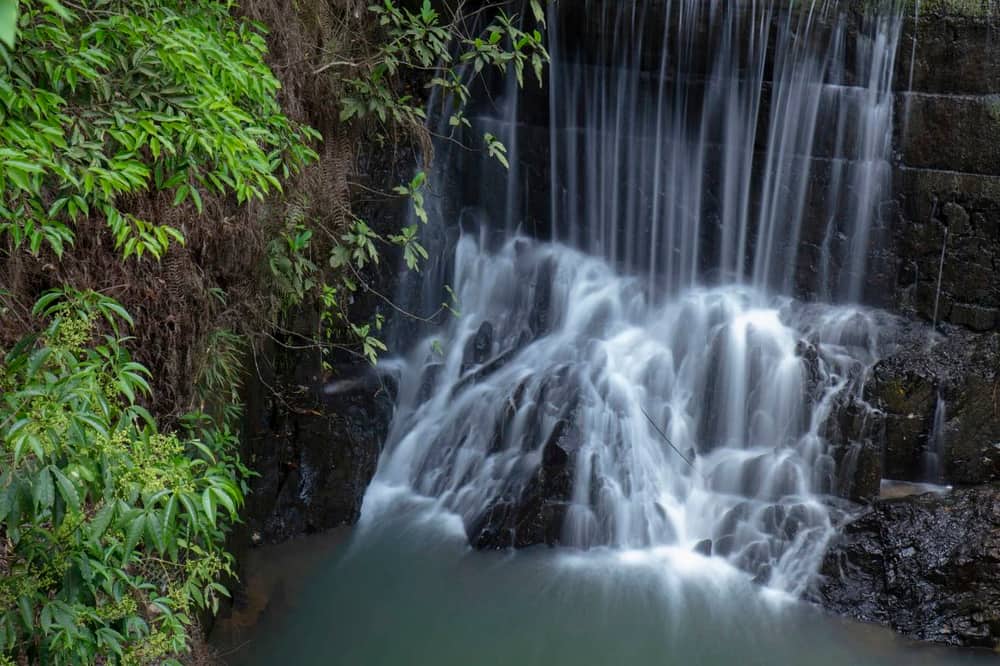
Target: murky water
[[409, 592]]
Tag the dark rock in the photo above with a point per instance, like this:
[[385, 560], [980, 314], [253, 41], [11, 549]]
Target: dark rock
[[976, 317], [955, 216], [856, 433], [960, 369], [956, 50], [763, 575], [950, 132], [484, 371], [315, 446], [724, 545], [479, 347], [536, 514], [539, 319], [704, 547], [428, 381], [927, 566], [907, 395]]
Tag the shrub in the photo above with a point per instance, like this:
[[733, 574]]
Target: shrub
[[111, 530]]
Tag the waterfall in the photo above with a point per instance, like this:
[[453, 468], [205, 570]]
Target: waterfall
[[643, 358], [934, 454], [747, 140]]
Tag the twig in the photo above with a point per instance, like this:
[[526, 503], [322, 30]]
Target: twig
[[334, 63], [665, 438]]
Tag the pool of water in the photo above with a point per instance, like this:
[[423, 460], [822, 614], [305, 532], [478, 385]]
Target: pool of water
[[407, 591]]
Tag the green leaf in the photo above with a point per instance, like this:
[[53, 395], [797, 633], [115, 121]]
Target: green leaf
[[99, 525], [226, 500], [135, 530], [5, 504], [27, 616], [196, 196], [190, 509], [154, 530], [42, 304], [42, 490], [57, 8], [67, 490], [208, 504], [8, 22]]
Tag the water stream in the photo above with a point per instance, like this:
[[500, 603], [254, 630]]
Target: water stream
[[671, 340]]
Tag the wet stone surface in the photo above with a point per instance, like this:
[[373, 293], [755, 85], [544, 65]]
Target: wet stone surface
[[927, 566]]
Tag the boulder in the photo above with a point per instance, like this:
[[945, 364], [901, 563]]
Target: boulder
[[856, 433], [534, 514], [927, 566]]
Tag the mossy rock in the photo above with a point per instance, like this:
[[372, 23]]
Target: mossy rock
[[967, 8]]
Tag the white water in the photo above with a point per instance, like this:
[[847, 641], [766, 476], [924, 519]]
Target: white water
[[654, 337], [740, 383]]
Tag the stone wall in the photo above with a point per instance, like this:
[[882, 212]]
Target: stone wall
[[945, 250], [947, 178], [926, 565]]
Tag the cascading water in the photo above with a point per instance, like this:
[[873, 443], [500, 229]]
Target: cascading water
[[642, 376], [934, 456], [556, 355]]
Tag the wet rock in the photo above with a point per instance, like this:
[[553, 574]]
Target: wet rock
[[976, 317], [428, 381], [856, 433], [755, 558], [961, 369], [724, 545], [484, 371], [956, 50], [927, 566], [536, 514], [704, 547], [315, 452], [809, 354], [731, 520], [947, 242], [479, 347], [906, 394], [539, 319], [949, 132]]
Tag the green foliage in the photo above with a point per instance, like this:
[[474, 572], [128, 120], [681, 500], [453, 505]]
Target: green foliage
[[496, 150], [111, 531], [9, 10], [220, 377], [413, 252], [121, 97], [413, 191], [288, 259], [423, 42], [424, 45]]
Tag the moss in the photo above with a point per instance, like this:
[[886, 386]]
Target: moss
[[966, 8]]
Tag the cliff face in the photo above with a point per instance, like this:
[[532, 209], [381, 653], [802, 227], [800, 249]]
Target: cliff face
[[948, 174]]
